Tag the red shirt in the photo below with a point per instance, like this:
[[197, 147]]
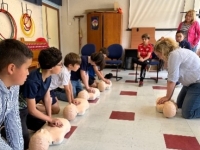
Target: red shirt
[[144, 50]]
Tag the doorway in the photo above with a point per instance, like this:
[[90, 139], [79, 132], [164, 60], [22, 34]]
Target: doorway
[[51, 25]]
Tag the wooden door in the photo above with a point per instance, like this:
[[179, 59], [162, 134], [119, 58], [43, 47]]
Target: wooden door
[[51, 30], [112, 28], [94, 29]]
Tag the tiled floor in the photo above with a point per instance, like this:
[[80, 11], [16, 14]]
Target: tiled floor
[[124, 118]]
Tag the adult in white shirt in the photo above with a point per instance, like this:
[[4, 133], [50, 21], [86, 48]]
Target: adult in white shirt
[[183, 66]]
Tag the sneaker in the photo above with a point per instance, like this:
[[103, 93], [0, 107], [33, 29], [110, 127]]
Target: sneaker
[[140, 83], [108, 76], [178, 84]]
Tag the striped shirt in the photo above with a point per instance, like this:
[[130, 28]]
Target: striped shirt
[[9, 115], [185, 27], [183, 66]]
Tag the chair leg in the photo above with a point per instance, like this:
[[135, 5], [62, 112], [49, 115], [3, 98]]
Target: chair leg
[[157, 74], [117, 73], [117, 78], [136, 81]]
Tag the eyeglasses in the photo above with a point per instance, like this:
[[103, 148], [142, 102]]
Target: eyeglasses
[[60, 64]]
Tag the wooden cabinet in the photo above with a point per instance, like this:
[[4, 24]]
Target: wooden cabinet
[[104, 29]]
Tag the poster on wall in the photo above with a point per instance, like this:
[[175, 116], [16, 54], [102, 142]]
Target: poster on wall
[[95, 23]]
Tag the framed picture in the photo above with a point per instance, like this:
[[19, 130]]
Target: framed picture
[[95, 23]]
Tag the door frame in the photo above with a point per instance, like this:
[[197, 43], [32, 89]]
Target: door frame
[[58, 12]]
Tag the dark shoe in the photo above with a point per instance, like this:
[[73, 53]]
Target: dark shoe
[[140, 83], [178, 84], [3, 132], [108, 76]]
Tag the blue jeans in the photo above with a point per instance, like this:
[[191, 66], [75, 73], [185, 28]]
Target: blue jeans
[[60, 94], [194, 49], [189, 100], [77, 87]]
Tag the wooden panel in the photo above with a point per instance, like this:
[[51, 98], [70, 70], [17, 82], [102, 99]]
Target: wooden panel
[[35, 47], [112, 28], [94, 34], [138, 32]]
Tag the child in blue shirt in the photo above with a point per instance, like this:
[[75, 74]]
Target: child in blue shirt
[[36, 88], [180, 39], [15, 59], [96, 59], [95, 70]]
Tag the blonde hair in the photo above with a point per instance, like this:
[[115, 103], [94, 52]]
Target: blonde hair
[[165, 46], [193, 14]]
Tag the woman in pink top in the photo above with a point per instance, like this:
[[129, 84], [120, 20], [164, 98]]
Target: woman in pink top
[[191, 29]]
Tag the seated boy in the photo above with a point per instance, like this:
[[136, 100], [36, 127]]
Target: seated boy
[[36, 88], [180, 39], [72, 62], [95, 70], [96, 59], [15, 59], [144, 56]]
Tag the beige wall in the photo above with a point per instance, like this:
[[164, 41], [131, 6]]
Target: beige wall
[[72, 8], [14, 8], [69, 26]]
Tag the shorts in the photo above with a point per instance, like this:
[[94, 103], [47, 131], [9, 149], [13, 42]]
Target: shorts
[[91, 80], [53, 95]]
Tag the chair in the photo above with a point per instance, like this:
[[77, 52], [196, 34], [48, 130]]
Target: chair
[[155, 61], [88, 49], [115, 53]]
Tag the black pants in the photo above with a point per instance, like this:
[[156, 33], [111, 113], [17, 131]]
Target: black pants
[[29, 122], [143, 67], [25, 133]]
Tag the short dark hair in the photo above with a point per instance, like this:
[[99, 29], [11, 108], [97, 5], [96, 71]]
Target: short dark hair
[[72, 58], [13, 51], [180, 31], [145, 36], [98, 59], [104, 50], [49, 57]]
